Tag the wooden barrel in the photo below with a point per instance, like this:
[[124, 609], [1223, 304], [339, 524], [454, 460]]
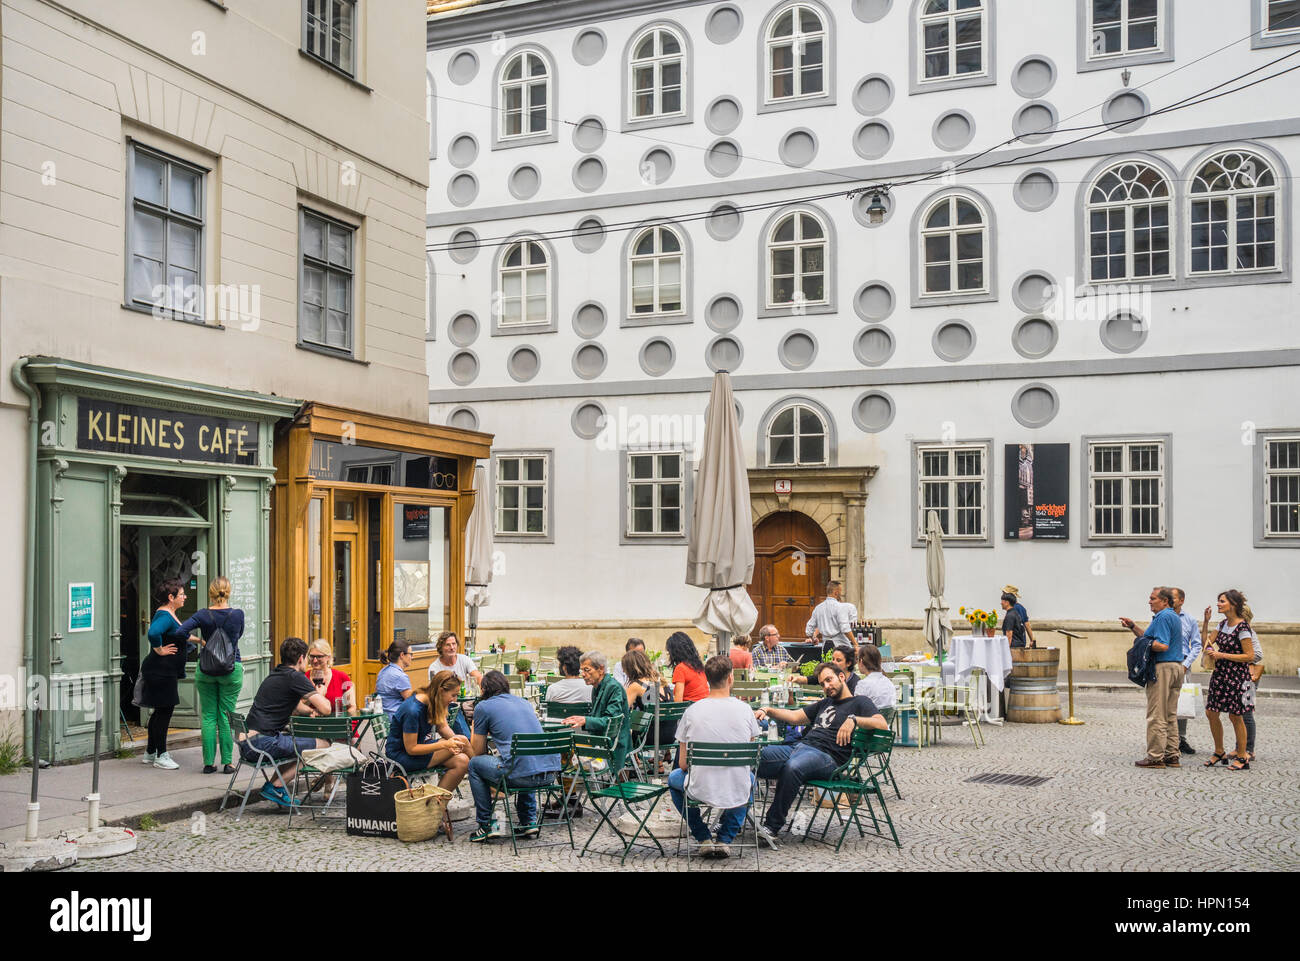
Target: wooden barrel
[[1032, 697]]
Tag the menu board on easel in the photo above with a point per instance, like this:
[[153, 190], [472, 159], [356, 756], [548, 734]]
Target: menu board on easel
[[1036, 484]]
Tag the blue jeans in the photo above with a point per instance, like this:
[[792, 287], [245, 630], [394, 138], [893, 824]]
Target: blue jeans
[[791, 767], [484, 775], [732, 818], [459, 725]]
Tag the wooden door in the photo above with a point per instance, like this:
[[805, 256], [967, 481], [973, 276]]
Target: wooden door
[[791, 564], [346, 603]]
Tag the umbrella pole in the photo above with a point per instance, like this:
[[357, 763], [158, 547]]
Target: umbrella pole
[[473, 628], [724, 639]]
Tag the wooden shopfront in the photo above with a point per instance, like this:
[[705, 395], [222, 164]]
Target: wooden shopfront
[[369, 517]]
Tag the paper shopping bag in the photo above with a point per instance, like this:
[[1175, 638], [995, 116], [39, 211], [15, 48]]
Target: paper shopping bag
[[1191, 703]]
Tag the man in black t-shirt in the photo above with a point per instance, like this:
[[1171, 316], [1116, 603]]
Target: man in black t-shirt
[[1013, 625], [824, 747], [286, 691]]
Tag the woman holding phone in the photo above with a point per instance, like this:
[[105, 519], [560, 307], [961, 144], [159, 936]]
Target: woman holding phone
[[1230, 653]]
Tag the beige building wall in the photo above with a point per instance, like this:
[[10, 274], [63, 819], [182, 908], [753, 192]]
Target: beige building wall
[[227, 87]]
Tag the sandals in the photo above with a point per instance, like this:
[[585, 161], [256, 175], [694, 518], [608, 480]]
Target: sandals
[[1239, 765], [1217, 758]]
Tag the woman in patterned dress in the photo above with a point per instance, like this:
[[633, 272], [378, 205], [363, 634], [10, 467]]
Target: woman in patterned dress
[[1231, 691]]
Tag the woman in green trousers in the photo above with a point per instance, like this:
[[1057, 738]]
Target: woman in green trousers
[[218, 694]]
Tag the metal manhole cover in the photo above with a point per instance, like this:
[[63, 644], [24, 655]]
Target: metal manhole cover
[[1018, 780]]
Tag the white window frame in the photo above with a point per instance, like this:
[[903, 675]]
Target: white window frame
[[330, 269], [311, 12], [952, 479], [1230, 198], [525, 83], [656, 260], [521, 483], [798, 435], [798, 245], [657, 482], [1128, 206], [1126, 476], [1267, 31], [657, 62], [1268, 474], [798, 42], [951, 16], [1125, 22], [525, 269], [193, 313], [952, 231]]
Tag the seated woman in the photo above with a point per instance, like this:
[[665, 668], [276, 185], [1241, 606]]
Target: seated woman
[[874, 684], [393, 686], [741, 659], [689, 682], [411, 742], [844, 658], [573, 689], [329, 680], [644, 689]]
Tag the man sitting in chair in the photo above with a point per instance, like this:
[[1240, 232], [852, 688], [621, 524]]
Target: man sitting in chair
[[500, 716], [719, 718], [286, 691], [608, 700], [824, 747]]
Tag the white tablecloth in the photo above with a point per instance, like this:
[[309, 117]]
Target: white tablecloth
[[991, 654]]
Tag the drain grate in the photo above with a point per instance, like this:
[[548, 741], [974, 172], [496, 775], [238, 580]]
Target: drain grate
[[1018, 780]]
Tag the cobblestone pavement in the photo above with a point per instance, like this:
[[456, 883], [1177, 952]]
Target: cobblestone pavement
[[1097, 812]]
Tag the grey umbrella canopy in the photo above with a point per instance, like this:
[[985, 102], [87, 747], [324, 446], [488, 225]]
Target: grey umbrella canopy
[[478, 553], [938, 628], [720, 555]]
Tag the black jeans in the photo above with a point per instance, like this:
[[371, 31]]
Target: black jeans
[[159, 721]]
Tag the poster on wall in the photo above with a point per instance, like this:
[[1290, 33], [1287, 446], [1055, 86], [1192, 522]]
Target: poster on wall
[[81, 608], [1037, 488], [415, 523]]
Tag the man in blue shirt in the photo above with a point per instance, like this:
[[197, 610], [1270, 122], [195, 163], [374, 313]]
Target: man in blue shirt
[[1166, 634], [1191, 651], [499, 716]]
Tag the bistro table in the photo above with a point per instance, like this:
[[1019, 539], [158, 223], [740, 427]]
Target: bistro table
[[990, 654]]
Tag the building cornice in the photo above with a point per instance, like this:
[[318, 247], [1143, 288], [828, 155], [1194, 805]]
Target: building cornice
[[470, 21]]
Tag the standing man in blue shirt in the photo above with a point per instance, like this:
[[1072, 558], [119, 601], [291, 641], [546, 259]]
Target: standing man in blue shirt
[[1191, 651], [1166, 634]]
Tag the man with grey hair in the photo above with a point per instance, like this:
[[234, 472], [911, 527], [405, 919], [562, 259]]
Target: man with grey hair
[[608, 701], [1165, 633]]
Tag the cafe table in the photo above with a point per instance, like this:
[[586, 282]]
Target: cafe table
[[993, 656]]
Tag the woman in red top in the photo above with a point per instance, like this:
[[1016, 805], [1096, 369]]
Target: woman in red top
[[329, 680], [689, 682]]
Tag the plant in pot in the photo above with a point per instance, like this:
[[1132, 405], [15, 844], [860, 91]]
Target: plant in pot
[[525, 667]]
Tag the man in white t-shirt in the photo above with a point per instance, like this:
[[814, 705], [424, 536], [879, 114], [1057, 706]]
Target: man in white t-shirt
[[572, 689], [718, 718], [462, 665]]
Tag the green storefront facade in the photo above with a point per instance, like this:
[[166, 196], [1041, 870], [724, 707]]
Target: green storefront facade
[[140, 478]]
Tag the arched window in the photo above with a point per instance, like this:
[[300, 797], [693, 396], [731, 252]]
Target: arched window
[[796, 54], [954, 247], [524, 285], [953, 39], [1129, 223], [525, 96], [796, 259], [655, 272], [1234, 200], [796, 437], [657, 69]]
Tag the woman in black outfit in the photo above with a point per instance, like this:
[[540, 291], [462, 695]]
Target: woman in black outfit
[[162, 670]]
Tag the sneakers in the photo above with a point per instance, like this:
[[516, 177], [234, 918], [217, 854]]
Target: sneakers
[[528, 831], [482, 833], [164, 762], [765, 836], [1186, 748], [277, 795], [148, 758]]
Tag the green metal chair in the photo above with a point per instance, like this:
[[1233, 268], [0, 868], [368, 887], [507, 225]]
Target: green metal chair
[[855, 781], [330, 728], [748, 691], [605, 793], [535, 745], [879, 755], [963, 700], [640, 724], [559, 709], [516, 682], [263, 764], [714, 754]]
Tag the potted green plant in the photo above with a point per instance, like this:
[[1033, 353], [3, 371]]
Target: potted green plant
[[525, 667]]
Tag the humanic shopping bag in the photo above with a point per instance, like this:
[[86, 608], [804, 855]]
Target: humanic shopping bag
[[371, 810], [1191, 703]]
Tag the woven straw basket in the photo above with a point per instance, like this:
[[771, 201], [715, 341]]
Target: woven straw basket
[[420, 812]]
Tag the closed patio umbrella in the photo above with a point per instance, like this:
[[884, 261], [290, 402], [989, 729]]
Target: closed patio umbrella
[[720, 552], [478, 554], [938, 629]]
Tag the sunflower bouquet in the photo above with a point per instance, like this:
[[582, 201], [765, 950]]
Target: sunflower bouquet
[[978, 618]]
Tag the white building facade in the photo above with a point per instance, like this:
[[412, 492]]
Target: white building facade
[[1079, 347]]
